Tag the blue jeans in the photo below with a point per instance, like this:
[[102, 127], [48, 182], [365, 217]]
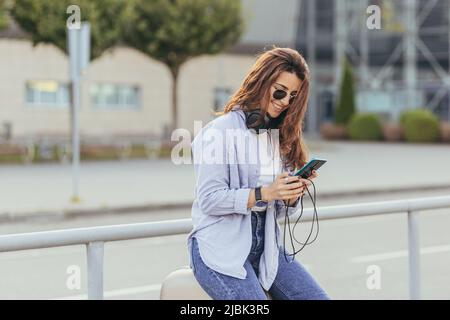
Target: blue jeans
[[292, 281]]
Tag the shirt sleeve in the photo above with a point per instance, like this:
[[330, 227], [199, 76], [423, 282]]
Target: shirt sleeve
[[213, 192]]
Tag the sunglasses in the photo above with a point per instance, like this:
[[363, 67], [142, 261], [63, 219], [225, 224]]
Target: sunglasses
[[279, 94]]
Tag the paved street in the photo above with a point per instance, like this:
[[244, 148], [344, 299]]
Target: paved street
[[351, 167], [339, 259], [135, 269]]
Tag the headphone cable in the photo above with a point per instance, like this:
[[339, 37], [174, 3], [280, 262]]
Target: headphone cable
[[286, 217], [287, 224]]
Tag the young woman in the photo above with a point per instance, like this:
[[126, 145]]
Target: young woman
[[235, 246]]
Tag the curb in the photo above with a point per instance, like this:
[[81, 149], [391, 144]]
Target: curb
[[72, 213]]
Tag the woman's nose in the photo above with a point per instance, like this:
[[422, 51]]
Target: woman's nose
[[285, 101]]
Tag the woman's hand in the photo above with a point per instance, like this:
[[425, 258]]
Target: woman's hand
[[304, 182], [313, 175], [285, 187]]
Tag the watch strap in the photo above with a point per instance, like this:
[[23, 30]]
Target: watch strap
[[258, 193]]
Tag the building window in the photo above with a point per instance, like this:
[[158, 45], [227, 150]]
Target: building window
[[47, 93], [221, 97], [115, 96]]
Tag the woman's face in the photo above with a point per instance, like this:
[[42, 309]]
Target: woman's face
[[288, 82]]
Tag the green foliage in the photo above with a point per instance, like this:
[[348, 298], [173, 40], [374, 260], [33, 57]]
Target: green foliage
[[175, 31], [3, 15], [171, 31], [46, 21], [420, 125], [365, 127], [346, 105]]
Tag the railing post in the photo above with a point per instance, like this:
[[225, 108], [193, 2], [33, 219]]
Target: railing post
[[95, 270], [414, 255]]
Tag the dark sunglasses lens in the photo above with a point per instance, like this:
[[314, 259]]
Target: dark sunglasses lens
[[279, 94]]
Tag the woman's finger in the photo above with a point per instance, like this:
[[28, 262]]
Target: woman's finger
[[293, 192], [305, 182], [283, 175], [289, 179], [314, 174], [294, 185]]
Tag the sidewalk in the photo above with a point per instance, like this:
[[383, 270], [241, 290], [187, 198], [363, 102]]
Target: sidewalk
[[353, 168]]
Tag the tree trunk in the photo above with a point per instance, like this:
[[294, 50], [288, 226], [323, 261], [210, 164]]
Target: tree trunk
[[174, 124]]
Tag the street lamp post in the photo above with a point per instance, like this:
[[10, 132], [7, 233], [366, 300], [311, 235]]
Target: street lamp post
[[79, 55]]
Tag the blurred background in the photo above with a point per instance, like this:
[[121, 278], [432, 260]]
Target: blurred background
[[86, 136]]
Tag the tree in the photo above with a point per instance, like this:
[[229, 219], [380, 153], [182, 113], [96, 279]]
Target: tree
[[346, 105], [3, 15], [177, 30], [45, 21]]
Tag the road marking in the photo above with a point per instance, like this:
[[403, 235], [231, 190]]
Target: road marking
[[116, 293], [398, 254]]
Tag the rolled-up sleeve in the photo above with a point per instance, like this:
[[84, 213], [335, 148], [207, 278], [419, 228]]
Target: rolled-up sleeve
[[213, 192]]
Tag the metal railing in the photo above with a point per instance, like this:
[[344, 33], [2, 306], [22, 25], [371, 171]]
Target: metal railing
[[95, 237]]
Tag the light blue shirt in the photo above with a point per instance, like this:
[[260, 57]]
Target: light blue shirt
[[221, 219]]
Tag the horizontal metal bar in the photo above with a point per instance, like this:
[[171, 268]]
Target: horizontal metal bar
[[377, 208], [68, 237], [78, 236]]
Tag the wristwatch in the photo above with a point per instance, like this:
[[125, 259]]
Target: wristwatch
[[260, 204]]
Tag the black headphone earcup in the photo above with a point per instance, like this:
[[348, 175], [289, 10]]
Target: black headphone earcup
[[276, 122], [253, 117]]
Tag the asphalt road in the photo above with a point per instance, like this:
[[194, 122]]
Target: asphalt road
[[351, 167], [342, 259]]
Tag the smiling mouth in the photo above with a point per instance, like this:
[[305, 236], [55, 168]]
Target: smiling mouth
[[277, 107]]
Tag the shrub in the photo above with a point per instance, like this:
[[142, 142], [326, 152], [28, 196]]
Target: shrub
[[445, 131], [365, 127], [14, 153], [420, 125], [332, 131], [346, 104]]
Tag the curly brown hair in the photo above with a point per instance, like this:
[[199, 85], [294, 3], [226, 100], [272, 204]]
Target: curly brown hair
[[255, 90]]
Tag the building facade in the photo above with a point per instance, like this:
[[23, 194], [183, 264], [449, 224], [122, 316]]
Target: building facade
[[125, 92]]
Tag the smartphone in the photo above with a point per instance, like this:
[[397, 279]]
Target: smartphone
[[308, 168]]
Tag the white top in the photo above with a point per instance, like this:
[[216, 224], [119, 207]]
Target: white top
[[269, 153]]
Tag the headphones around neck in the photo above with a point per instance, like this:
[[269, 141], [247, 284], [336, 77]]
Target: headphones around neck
[[255, 121]]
